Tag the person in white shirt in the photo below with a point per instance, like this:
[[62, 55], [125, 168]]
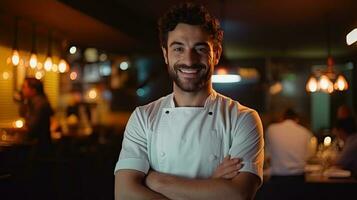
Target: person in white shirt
[[346, 131], [193, 143], [287, 145]]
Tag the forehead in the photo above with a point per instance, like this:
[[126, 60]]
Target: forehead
[[188, 34]]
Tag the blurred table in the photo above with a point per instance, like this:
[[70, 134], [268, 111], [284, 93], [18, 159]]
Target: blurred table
[[317, 185]]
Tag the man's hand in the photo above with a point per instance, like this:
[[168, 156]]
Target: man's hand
[[228, 169]]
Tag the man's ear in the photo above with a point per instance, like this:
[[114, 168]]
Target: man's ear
[[218, 54], [164, 52]]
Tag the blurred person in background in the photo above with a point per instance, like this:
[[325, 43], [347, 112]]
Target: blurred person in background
[[37, 111], [346, 131], [287, 145], [193, 143]]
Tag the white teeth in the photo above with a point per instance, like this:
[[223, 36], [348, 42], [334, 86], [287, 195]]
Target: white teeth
[[189, 71]]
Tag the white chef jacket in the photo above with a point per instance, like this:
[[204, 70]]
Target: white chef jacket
[[192, 141]]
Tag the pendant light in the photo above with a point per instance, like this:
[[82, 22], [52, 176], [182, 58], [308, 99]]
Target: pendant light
[[33, 56], [48, 62], [15, 58], [328, 80]]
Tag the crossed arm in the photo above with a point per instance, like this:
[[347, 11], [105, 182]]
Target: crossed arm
[[226, 183]]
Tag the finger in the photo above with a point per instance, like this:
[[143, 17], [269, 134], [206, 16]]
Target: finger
[[228, 157], [230, 169], [231, 162], [231, 175]]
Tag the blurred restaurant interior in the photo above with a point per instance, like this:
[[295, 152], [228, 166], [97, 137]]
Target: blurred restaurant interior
[[98, 60]]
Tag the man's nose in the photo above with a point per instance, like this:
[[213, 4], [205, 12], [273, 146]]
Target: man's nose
[[191, 57]]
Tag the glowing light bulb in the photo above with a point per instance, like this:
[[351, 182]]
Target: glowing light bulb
[[73, 76], [15, 58], [39, 75], [124, 65], [62, 66], [325, 84], [341, 83], [18, 123], [327, 141], [312, 85], [73, 50], [92, 94], [5, 75], [33, 61], [48, 64]]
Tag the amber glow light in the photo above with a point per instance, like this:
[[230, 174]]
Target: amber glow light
[[18, 123], [33, 61], [15, 58]]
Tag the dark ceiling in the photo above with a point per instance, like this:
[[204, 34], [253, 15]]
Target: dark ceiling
[[253, 28]]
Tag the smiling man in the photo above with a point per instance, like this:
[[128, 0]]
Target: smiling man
[[193, 143]]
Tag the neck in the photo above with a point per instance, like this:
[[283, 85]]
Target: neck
[[191, 99]]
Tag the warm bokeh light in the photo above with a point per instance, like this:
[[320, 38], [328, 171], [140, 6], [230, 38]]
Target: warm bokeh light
[[39, 75], [48, 64], [124, 65], [15, 58], [62, 66], [275, 88], [73, 50], [341, 83], [327, 141], [92, 94], [222, 71], [18, 123], [5, 75], [73, 76], [33, 61], [325, 83], [312, 85]]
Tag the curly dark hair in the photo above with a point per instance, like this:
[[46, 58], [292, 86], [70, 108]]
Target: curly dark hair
[[193, 14]]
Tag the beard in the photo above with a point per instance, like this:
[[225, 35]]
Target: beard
[[194, 84]]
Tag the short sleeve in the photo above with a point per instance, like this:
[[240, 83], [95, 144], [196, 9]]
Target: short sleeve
[[248, 142], [134, 154]]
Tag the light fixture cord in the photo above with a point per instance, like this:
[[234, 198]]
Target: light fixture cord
[[33, 38], [16, 30]]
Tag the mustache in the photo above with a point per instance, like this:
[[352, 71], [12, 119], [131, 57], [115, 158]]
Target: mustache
[[193, 66]]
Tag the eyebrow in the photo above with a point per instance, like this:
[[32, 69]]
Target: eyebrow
[[197, 44], [175, 43]]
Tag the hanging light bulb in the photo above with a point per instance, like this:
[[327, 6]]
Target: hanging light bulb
[[62, 66], [33, 61], [325, 84], [15, 58], [33, 57], [327, 81], [312, 85], [341, 83], [48, 64]]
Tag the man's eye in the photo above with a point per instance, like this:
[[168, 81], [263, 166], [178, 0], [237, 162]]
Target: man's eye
[[178, 49], [202, 49]]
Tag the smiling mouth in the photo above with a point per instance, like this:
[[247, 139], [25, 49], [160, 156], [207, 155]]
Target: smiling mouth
[[189, 72]]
